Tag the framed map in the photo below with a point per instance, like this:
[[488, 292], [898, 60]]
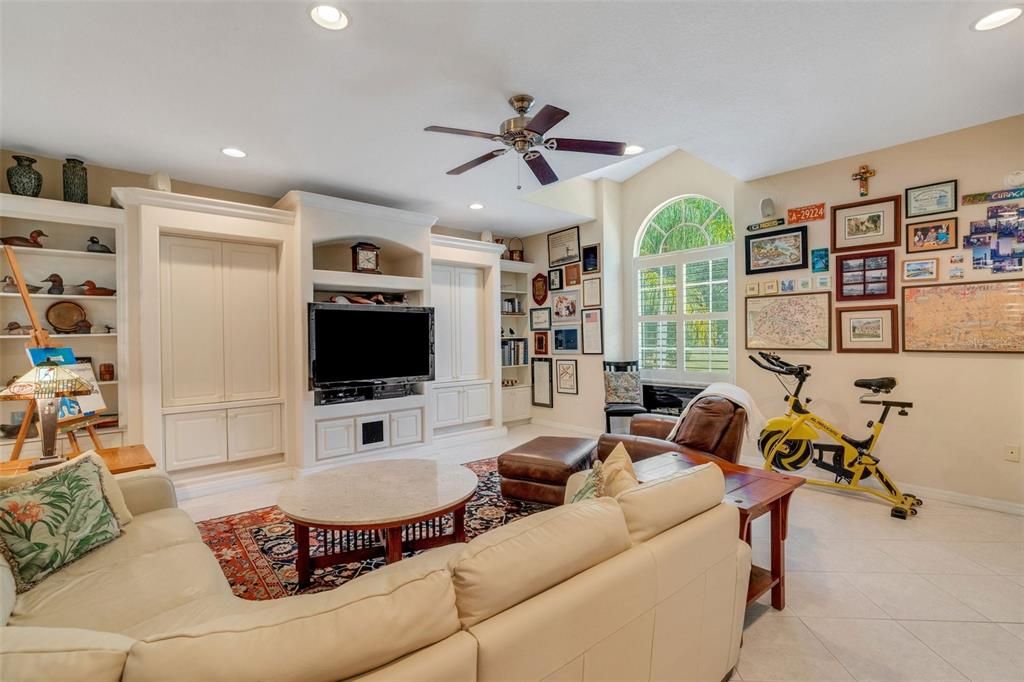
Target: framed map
[[793, 322], [967, 317]]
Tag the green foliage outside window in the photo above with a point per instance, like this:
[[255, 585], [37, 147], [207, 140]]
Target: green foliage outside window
[[691, 222]]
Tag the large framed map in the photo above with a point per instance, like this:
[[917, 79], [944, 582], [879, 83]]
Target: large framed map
[[793, 322], [967, 317]]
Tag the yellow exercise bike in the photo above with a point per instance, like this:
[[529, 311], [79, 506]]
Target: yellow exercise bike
[[787, 442]]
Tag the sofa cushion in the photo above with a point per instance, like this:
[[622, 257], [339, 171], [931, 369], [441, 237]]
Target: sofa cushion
[[322, 637], [51, 521], [110, 487], [67, 654], [507, 565], [117, 596], [658, 505]]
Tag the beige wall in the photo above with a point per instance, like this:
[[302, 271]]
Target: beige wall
[[102, 180], [968, 406]]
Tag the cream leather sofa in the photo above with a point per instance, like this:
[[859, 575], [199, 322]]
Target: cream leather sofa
[[648, 586]]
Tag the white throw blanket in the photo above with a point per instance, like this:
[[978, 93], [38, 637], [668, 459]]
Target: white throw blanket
[[734, 394]]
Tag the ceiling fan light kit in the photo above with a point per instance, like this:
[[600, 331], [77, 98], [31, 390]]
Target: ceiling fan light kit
[[523, 133]]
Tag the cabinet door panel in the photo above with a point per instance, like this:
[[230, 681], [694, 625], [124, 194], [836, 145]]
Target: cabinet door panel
[[442, 293], [254, 431], [476, 403], [191, 321], [195, 439], [469, 324], [515, 404], [335, 438], [406, 427], [447, 407], [250, 321]]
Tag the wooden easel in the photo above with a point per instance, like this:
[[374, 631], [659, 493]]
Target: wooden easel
[[40, 338]]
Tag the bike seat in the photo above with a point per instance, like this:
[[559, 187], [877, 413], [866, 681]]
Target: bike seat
[[880, 384]]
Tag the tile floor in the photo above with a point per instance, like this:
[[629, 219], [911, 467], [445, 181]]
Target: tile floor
[[869, 597]]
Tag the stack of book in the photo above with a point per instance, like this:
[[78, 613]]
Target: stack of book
[[513, 352]]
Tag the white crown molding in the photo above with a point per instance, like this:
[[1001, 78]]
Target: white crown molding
[[34, 208], [295, 199], [465, 244], [139, 196]]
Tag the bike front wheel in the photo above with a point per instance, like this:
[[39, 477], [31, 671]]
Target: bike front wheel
[[787, 454]]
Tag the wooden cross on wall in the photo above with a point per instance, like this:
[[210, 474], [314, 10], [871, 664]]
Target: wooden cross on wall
[[862, 175]]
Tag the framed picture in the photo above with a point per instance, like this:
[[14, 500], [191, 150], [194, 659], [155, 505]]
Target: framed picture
[[540, 289], [540, 319], [555, 280], [565, 307], [592, 292], [540, 343], [866, 224], [819, 260], [920, 270], [573, 275], [565, 373], [752, 289], [770, 287], [787, 286], [823, 281], [866, 276], [867, 329], [564, 247], [938, 197], [803, 284], [966, 317], [541, 376], [932, 235], [566, 340], [591, 259], [593, 332], [797, 322], [777, 251]]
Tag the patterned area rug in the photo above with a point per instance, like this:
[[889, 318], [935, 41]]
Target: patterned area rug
[[256, 549]]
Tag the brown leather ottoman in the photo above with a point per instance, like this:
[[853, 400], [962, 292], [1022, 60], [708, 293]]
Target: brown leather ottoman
[[537, 470]]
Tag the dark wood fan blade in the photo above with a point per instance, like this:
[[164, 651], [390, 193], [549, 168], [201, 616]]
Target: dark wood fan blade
[[566, 144], [546, 119], [460, 131], [539, 165], [476, 162]]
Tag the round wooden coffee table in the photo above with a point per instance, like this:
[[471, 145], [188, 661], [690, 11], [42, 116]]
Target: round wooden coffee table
[[371, 509]]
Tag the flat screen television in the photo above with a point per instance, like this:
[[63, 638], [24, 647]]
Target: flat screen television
[[352, 344]]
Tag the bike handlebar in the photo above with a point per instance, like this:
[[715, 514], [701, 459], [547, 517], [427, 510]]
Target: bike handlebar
[[778, 365]]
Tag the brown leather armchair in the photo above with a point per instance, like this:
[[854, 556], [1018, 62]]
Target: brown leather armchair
[[713, 427]]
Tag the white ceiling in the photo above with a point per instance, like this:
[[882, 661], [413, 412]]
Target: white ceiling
[[754, 88]]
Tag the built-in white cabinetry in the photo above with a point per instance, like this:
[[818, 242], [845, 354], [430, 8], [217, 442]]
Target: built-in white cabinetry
[[218, 321], [447, 406], [462, 404], [457, 294], [254, 431], [476, 403], [515, 403], [343, 436], [335, 438], [406, 427], [212, 436]]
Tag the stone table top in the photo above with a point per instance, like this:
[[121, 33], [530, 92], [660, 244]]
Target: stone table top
[[377, 493]]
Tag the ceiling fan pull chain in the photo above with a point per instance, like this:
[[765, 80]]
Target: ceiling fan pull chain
[[519, 184]]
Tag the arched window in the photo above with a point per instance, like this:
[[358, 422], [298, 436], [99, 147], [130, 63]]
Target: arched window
[[683, 260]]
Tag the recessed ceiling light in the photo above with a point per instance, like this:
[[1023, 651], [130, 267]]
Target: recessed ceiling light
[[329, 17], [996, 19], [632, 149], [233, 152], [476, 206]]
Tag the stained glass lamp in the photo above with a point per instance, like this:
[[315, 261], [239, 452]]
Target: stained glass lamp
[[47, 383]]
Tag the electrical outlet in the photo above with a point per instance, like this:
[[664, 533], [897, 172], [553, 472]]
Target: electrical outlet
[[1012, 453]]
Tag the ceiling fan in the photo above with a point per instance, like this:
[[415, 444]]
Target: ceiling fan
[[522, 133]]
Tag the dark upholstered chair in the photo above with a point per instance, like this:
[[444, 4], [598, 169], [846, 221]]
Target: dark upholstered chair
[[621, 391], [713, 427]]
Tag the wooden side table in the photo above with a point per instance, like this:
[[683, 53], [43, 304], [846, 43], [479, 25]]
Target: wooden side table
[[755, 492], [119, 460]]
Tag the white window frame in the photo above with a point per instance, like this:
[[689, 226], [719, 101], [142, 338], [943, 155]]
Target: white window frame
[[679, 259]]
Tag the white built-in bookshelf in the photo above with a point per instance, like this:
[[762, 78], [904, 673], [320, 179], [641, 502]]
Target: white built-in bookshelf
[[516, 340]]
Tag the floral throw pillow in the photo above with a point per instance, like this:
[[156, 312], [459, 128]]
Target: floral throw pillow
[[622, 387], [592, 486], [54, 520]]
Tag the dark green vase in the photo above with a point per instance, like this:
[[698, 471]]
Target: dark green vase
[[23, 178], [76, 181]]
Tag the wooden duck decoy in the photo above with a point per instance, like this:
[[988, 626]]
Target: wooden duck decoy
[[11, 287], [56, 284], [31, 240], [17, 329], [95, 247], [89, 288]]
